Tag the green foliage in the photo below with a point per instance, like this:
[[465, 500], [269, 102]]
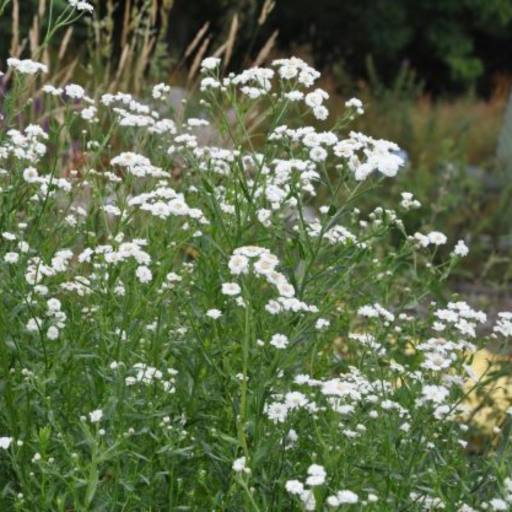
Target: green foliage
[[450, 43], [236, 325], [182, 328]]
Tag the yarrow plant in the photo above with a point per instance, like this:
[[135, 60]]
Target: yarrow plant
[[188, 326]]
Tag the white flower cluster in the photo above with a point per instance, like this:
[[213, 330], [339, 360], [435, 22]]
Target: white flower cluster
[[164, 202], [335, 235], [27, 66], [461, 317], [138, 165], [376, 311], [277, 186], [81, 5], [504, 324], [257, 82], [134, 114], [117, 253], [408, 202], [461, 249], [377, 155], [261, 263], [25, 146], [96, 416], [240, 466], [369, 341], [362, 154], [5, 442], [434, 238], [48, 186], [210, 63], [344, 498], [316, 477], [356, 104], [148, 375], [114, 256], [160, 90], [37, 270]]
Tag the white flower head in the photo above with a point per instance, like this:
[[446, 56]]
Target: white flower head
[[437, 238], [27, 66], [316, 476], [461, 249], [214, 313], [294, 487], [5, 442], [499, 505], [210, 63], [81, 5], [231, 289], [74, 91], [238, 264], [95, 416], [347, 497], [144, 274], [240, 466], [279, 341]]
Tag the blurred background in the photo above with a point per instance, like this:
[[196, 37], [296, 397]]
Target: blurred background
[[435, 77]]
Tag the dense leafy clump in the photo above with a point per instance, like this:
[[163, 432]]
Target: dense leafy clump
[[199, 313]]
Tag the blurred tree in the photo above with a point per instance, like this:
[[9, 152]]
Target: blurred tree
[[453, 45]]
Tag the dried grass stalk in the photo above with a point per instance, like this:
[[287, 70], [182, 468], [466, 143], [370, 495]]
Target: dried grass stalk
[[197, 59], [65, 42], [230, 43], [41, 11], [165, 9], [266, 49], [220, 50], [122, 61], [70, 71], [33, 37], [15, 40], [267, 8], [154, 11], [145, 53], [126, 24], [197, 39]]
